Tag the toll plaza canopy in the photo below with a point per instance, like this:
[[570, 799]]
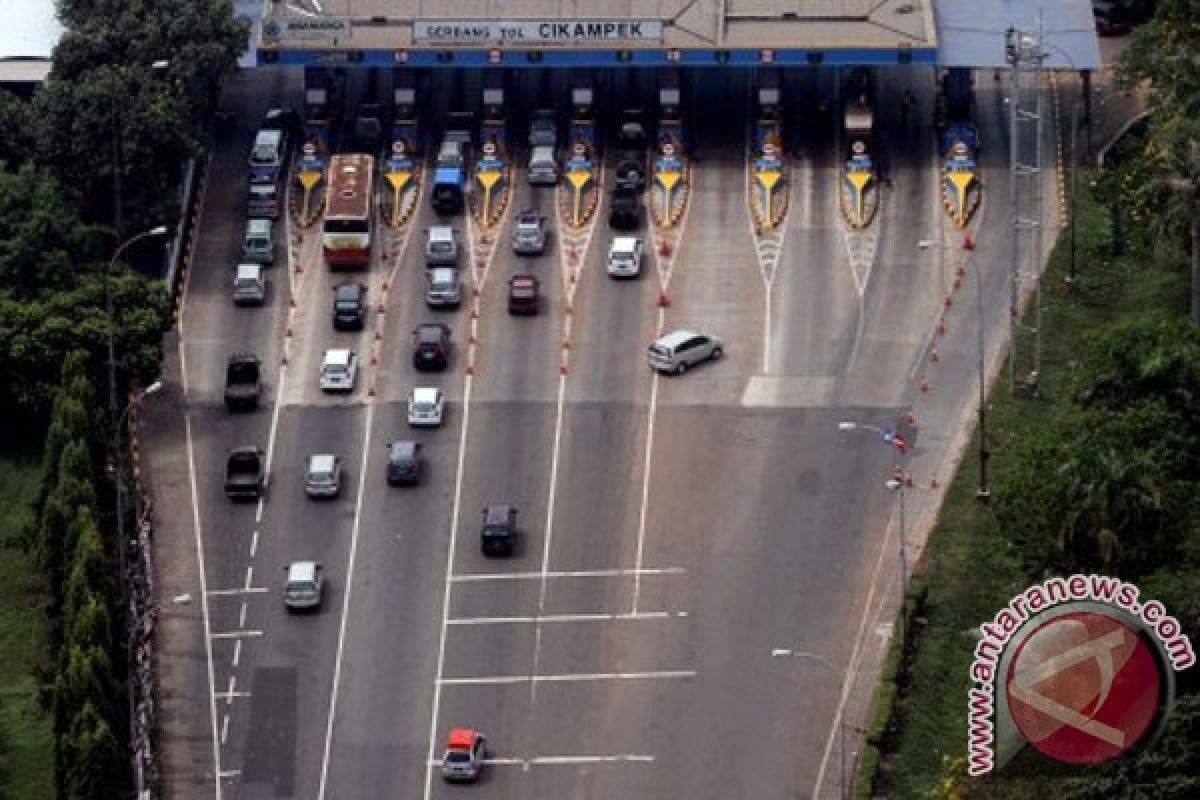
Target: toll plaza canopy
[[597, 33], [972, 32]]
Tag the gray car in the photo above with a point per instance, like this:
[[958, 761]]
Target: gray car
[[445, 289], [305, 586], [323, 477], [529, 234]]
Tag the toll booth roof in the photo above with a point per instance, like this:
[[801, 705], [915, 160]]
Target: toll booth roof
[[395, 24], [972, 32]]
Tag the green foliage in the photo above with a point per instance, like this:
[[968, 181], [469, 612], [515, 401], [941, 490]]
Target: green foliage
[[93, 755], [72, 496], [42, 246], [1145, 357], [17, 138], [90, 568], [1169, 770]]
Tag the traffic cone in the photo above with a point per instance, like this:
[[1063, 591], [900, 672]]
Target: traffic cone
[[949, 301], [941, 327], [924, 387], [933, 355], [291, 301], [663, 302], [933, 484], [562, 369], [968, 242]]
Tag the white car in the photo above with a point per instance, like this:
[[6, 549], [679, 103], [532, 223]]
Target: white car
[[339, 370], [625, 257], [425, 407], [679, 350]]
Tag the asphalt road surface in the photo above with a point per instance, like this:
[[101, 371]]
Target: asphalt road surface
[[674, 531]]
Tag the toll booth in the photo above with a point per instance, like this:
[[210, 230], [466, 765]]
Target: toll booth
[[369, 120], [401, 164], [492, 170], [860, 181], [768, 166], [582, 158], [670, 189], [958, 143], [323, 93]]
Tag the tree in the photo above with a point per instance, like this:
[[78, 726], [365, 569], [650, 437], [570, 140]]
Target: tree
[[1147, 357], [93, 762], [70, 419], [90, 568], [66, 513], [17, 137], [1168, 769], [1162, 56]]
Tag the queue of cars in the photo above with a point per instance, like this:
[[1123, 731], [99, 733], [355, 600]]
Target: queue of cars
[[674, 353]]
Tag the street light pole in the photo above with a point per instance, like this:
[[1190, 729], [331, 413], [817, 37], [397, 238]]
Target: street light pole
[[118, 420], [983, 492], [840, 674]]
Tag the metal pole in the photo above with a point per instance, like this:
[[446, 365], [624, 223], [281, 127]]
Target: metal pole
[[984, 491], [1014, 145], [1071, 269]]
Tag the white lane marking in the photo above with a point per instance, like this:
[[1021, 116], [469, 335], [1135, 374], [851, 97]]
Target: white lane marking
[[228, 773], [449, 572], [855, 656], [536, 761], [237, 652], [579, 677], [258, 512], [254, 544], [231, 692], [642, 513], [199, 543], [225, 728], [549, 530], [564, 618], [229, 697], [236, 634], [249, 576], [349, 585], [242, 615], [472, 577], [235, 592]]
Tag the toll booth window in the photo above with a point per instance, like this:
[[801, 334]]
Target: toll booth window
[[534, 56], [445, 56], [347, 226]]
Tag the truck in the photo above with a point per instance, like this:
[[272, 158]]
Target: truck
[[245, 473], [243, 380], [450, 170]]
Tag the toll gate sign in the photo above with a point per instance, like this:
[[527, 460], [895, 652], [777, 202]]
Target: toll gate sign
[[539, 32]]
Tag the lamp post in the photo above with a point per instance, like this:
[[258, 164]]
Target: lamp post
[[896, 484], [118, 204], [983, 492], [840, 674]]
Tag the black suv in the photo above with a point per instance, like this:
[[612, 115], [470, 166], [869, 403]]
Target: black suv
[[349, 306], [404, 463], [498, 536], [431, 346], [625, 211]]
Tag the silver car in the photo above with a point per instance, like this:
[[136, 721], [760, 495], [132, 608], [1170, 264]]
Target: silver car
[[305, 586], [323, 477], [529, 234], [678, 351], [445, 289], [339, 370]]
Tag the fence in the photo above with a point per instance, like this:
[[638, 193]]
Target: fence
[[142, 614]]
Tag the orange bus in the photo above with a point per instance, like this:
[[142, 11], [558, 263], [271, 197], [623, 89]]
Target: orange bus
[[349, 210]]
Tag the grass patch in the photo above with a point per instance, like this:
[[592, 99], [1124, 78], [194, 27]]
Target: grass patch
[[970, 567], [26, 736]]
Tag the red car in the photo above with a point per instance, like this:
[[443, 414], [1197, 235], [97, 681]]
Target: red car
[[523, 294]]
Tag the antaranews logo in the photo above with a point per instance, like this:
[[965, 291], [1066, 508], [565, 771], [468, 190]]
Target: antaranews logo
[[1078, 667]]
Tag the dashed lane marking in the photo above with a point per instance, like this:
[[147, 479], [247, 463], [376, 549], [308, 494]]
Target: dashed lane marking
[[243, 590], [235, 634], [470, 577], [644, 615], [550, 761], [580, 677]]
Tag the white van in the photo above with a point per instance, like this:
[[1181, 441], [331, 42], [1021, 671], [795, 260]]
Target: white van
[[625, 257], [249, 286], [441, 247], [258, 242], [543, 168]]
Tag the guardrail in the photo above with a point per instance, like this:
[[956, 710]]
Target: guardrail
[[142, 615]]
